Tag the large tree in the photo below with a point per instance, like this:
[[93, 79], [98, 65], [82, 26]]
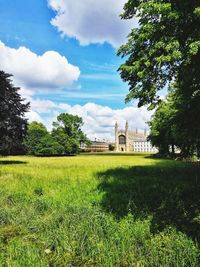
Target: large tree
[[67, 132], [13, 123], [165, 46], [39, 141], [163, 127], [163, 50], [64, 139]]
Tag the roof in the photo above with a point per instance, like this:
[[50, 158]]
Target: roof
[[133, 136]]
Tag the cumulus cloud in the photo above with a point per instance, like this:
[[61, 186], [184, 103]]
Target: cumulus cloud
[[98, 120], [91, 21], [50, 70], [34, 116]]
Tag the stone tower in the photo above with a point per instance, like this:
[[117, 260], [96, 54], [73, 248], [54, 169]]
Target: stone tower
[[116, 137], [127, 136]]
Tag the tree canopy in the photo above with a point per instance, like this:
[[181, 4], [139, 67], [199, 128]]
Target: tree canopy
[[64, 139], [164, 52], [13, 123], [163, 48], [163, 128], [39, 141], [36, 131], [67, 132]]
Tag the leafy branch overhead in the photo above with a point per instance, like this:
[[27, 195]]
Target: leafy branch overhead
[[163, 47]]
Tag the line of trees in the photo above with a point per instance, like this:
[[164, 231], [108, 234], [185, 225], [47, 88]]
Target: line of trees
[[174, 127], [164, 52], [64, 139], [19, 137]]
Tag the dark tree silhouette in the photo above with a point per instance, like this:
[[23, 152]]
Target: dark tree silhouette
[[13, 123]]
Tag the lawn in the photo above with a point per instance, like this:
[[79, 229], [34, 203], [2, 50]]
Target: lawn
[[99, 210]]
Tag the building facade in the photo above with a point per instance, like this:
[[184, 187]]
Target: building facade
[[95, 146], [126, 140]]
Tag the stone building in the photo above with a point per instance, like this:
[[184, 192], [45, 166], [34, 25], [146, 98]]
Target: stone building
[[126, 140], [96, 146]]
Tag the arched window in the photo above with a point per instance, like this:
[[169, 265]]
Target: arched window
[[122, 140]]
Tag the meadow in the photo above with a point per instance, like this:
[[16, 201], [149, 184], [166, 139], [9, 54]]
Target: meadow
[[99, 210]]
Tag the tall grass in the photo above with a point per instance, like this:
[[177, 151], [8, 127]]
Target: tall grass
[[99, 210]]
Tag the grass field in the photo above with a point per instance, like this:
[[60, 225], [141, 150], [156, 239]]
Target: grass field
[[99, 210]]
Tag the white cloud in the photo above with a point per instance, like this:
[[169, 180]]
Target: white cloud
[[50, 70], [92, 21], [98, 120], [34, 116], [42, 106]]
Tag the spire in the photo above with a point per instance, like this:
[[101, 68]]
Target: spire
[[116, 137], [126, 126]]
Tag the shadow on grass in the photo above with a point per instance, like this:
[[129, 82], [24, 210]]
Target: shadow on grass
[[134, 154], [12, 162], [170, 194]]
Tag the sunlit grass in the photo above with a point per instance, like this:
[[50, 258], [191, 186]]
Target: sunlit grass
[[98, 210]]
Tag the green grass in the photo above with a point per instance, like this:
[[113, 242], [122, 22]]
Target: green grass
[[99, 210]]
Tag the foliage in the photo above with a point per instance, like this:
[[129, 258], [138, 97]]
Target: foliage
[[65, 137], [171, 126], [164, 51], [164, 46], [67, 132], [103, 210], [187, 122], [163, 128], [13, 123], [39, 141], [111, 147], [36, 131], [49, 146]]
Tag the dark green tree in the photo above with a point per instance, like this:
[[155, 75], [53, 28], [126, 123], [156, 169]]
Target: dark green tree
[[67, 132], [36, 131], [163, 128], [13, 123], [49, 146], [39, 141], [187, 121]]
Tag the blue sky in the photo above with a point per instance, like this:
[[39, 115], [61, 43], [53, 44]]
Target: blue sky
[[63, 56]]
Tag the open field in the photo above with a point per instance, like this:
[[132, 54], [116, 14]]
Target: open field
[[99, 210]]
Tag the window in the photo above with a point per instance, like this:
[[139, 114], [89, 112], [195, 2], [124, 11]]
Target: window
[[122, 140]]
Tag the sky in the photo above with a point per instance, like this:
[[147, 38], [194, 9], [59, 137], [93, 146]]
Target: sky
[[62, 54]]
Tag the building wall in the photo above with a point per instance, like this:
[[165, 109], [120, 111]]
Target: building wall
[[143, 146], [95, 146], [134, 141]]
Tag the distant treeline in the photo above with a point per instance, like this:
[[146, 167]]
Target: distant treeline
[[19, 137]]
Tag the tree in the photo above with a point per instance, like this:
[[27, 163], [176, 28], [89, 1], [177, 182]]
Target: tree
[[164, 51], [163, 128], [13, 123], [111, 147], [170, 127], [39, 141], [186, 120], [49, 146], [65, 137], [36, 131], [67, 132], [165, 46]]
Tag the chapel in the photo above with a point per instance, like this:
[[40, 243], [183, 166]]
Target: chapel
[[126, 140]]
